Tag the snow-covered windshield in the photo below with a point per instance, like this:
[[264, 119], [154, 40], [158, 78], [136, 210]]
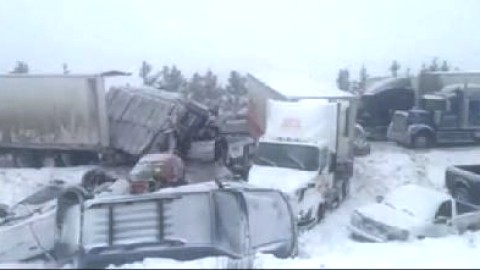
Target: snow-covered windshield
[[301, 157]]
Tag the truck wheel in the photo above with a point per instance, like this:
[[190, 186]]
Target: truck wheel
[[421, 141], [462, 194]]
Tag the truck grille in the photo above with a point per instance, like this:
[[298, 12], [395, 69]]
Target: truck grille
[[123, 224]]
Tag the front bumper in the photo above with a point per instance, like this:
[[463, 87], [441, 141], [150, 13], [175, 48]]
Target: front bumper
[[400, 137], [365, 235]]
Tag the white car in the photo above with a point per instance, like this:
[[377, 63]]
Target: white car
[[413, 212], [27, 228]]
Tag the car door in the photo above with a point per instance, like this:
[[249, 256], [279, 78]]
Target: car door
[[269, 207], [441, 224], [466, 216]]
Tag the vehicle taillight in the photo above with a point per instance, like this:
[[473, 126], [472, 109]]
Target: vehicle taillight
[[138, 187]]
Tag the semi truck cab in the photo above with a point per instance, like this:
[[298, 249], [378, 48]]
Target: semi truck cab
[[303, 170], [449, 116]]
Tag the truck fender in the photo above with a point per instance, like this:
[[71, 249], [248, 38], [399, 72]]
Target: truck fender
[[416, 129]]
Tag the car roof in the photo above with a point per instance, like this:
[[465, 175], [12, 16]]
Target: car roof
[[421, 201]]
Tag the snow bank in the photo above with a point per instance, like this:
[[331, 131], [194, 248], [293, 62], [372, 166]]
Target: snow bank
[[328, 244], [15, 184]]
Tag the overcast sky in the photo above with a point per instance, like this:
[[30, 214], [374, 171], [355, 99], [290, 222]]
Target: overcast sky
[[316, 37]]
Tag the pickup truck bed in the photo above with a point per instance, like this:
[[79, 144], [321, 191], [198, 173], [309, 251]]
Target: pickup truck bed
[[463, 182]]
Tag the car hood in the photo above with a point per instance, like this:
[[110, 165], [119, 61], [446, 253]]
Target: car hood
[[283, 179], [389, 216]]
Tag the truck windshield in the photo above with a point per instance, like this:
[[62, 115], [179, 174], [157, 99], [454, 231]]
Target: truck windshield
[[300, 157]]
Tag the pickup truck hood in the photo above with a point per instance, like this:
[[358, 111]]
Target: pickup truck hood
[[389, 216], [284, 179]]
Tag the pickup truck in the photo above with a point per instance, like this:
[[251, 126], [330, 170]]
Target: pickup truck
[[463, 182]]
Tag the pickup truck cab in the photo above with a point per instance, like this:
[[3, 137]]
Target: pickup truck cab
[[463, 182], [183, 223]]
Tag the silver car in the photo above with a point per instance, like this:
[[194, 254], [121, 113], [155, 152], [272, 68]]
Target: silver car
[[413, 212], [230, 219]]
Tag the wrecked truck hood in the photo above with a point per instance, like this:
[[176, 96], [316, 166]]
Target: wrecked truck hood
[[283, 179]]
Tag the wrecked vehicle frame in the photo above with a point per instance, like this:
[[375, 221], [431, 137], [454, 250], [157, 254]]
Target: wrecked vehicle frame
[[172, 223]]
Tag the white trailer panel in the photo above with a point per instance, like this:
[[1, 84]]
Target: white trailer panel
[[53, 112]]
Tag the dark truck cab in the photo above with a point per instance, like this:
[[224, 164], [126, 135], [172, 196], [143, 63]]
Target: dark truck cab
[[463, 182], [450, 116]]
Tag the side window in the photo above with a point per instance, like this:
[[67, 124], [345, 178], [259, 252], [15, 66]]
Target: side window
[[474, 113], [463, 207], [445, 210]]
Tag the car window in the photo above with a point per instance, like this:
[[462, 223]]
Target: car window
[[445, 210], [463, 207]]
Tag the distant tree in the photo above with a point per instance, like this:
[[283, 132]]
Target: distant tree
[[236, 88], [171, 79], [145, 71], [65, 69], [363, 77], [20, 68], [408, 73], [434, 65], [445, 66], [343, 79], [195, 88], [394, 68], [424, 68]]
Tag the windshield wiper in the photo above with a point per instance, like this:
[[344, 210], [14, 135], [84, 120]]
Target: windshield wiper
[[300, 164], [266, 160]]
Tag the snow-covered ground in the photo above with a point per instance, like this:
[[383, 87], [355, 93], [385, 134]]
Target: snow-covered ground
[[328, 244]]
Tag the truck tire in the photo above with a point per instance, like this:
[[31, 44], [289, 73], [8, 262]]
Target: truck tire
[[421, 141], [461, 193]]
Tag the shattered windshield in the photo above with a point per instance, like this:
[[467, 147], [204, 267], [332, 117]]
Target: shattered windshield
[[301, 157]]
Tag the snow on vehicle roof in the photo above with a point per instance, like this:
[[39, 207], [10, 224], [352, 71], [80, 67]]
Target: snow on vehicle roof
[[174, 191], [471, 72], [420, 201], [455, 86], [294, 86], [387, 84]]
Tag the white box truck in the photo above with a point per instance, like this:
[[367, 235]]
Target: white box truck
[[304, 143]]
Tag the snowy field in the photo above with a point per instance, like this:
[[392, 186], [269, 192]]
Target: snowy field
[[328, 245]]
